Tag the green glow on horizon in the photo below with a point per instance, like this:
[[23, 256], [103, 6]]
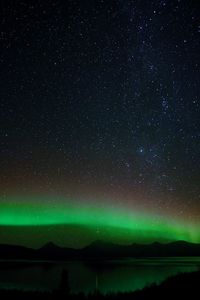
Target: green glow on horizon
[[18, 212]]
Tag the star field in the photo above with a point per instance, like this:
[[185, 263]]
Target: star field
[[100, 100]]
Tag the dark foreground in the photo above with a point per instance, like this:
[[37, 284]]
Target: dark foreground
[[183, 286]]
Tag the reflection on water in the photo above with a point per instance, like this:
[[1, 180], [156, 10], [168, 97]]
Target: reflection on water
[[106, 276]]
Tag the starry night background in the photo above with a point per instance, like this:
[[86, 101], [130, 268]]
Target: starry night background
[[99, 106]]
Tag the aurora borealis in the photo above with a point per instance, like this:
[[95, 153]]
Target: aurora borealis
[[111, 224], [99, 115]]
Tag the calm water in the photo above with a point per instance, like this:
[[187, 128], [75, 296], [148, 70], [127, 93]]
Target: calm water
[[107, 276]]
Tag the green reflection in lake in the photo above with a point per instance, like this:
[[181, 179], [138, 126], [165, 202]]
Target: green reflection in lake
[[107, 276]]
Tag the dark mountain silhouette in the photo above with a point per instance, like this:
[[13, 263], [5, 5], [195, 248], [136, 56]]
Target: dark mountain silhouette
[[50, 246], [100, 250], [15, 252], [179, 248], [51, 251]]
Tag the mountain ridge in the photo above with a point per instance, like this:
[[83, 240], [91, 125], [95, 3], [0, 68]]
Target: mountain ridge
[[100, 249]]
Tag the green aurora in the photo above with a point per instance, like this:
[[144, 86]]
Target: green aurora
[[34, 221]]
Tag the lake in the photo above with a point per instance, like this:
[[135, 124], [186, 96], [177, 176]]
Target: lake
[[88, 276]]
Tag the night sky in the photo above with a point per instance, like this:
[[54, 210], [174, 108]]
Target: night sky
[[99, 121]]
